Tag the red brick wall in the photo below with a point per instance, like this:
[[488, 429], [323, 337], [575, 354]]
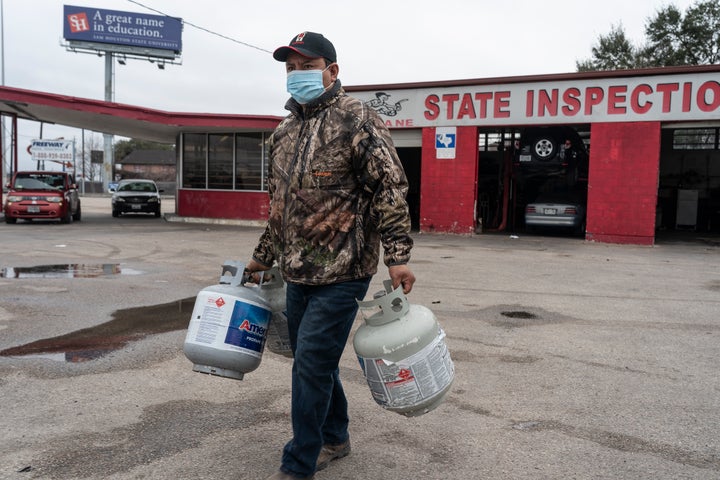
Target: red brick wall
[[222, 204], [623, 182], [449, 186]]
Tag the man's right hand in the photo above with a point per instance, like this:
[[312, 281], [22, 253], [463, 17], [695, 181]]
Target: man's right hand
[[252, 267]]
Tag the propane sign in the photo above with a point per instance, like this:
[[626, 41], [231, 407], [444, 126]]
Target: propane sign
[[58, 151]]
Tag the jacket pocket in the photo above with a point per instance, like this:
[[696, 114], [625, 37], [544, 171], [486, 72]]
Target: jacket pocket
[[331, 167]]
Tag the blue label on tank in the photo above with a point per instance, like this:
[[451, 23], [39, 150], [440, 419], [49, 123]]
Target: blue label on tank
[[248, 326]]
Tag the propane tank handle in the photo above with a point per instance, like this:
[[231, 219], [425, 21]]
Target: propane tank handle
[[274, 280], [232, 273], [392, 305]]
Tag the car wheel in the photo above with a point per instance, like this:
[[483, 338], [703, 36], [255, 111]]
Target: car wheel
[[78, 214], [10, 219], [67, 218], [157, 213], [115, 212], [544, 148]]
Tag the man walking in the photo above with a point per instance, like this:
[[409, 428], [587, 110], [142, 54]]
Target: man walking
[[337, 193]]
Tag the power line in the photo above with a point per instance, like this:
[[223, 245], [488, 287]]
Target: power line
[[203, 28]]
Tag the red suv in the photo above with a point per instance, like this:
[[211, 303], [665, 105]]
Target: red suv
[[46, 195]]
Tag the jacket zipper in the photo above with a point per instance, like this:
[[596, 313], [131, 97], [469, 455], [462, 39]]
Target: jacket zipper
[[293, 165]]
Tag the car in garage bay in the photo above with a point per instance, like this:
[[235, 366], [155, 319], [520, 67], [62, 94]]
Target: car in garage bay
[[555, 211], [553, 151]]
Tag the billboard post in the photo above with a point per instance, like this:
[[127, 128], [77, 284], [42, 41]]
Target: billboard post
[[107, 138]]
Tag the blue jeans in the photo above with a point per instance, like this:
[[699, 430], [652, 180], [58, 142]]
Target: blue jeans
[[319, 321]]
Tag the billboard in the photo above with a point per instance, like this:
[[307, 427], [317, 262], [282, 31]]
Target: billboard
[[124, 32], [58, 151]]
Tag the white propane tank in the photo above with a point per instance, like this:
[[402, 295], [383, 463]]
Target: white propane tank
[[273, 290], [402, 352], [226, 334]]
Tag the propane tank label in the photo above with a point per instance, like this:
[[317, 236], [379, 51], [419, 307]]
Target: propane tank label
[[248, 325], [229, 324], [411, 380]]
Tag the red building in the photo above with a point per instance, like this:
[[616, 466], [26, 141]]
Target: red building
[[650, 136]]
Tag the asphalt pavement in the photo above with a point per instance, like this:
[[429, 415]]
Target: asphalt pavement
[[574, 360]]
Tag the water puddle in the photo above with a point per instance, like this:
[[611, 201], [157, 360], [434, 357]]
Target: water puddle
[[67, 270], [518, 318], [519, 314], [127, 325]]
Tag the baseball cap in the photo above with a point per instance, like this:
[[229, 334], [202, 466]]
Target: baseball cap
[[307, 44]]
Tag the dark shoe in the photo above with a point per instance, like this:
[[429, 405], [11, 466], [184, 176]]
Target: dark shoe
[[280, 475], [330, 453]]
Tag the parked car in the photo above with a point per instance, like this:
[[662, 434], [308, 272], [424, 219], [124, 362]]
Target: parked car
[[42, 195], [553, 151], [136, 196], [557, 211]]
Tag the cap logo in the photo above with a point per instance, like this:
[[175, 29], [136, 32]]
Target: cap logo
[[300, 38], [307, 44]]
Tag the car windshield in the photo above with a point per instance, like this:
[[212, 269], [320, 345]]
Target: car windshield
[[39, 182], [137, 187]]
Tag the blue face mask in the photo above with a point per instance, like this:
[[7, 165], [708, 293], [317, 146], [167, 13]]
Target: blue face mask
[[305, 85]]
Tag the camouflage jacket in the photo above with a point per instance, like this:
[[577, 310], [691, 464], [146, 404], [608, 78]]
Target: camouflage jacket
[[337, 191]]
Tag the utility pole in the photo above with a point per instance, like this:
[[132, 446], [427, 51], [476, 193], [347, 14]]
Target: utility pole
[[107, 173], [2, 82]]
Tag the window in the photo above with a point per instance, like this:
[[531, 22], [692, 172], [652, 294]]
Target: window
[[494, 141], [695, 139], [220, 161], [229, 161], [249, 172], [194, 166]]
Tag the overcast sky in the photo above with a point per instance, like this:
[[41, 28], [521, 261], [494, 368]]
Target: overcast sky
[[388, 41]]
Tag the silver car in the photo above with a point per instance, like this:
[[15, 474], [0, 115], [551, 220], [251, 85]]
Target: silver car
[[136, 196], [559, 211]]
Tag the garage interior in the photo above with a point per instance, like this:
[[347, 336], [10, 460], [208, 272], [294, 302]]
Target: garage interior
[[688, 197], [411, 159], [505, 187], [689, 180]]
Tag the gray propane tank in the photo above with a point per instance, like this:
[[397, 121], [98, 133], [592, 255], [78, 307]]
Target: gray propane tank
[[226, 334], [273, 290], [402, 352]]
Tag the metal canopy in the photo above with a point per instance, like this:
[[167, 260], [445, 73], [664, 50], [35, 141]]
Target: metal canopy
[[121, 119]]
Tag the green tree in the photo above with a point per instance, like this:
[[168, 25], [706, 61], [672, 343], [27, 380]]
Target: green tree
[[671, 38], [613, 51], [664, 39], [123, 148], [701, 33]]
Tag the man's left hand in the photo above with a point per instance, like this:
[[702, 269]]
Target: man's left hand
[[402, 275]]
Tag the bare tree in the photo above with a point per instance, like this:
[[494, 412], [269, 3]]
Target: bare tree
[[91, 171]]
